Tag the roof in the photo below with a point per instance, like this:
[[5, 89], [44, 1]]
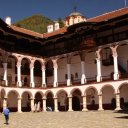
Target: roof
[[100, 18], [29, 32], [59, 31], [109, 15]]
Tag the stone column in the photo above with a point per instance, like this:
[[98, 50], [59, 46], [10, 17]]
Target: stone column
[[19, 105], [19, 84], [68, 74], [32, 105], [98, 60], [32, 75], [43, 77], [70, 104], [83, 77], [5, 74], [56, 104], [84, 104], [114, 54], [100, 103], [55, 72], [118, 102], [44, 104], [4, 103]]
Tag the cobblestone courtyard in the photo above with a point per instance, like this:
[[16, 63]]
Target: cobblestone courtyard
[[91, 119]]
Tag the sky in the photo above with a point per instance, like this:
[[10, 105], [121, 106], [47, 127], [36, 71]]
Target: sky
[[54, 9]]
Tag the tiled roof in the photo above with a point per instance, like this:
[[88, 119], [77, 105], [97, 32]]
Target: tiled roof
[[109, 15], [103, 17], [29, 32], [59, 31]]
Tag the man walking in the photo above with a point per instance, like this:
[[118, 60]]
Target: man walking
[[6, 114]]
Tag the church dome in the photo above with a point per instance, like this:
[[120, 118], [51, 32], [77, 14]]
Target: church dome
[[75, 14]]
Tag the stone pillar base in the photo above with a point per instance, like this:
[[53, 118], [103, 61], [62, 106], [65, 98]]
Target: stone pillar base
[[85, 110], [116, 76], [19, 84], [83, 80], [32, 84], [69, 82], [117, 109], [100, 109], [70, 110], [55, 84], [99, 78], [43, 85]]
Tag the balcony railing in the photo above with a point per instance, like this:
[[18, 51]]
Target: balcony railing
[[90, 80]]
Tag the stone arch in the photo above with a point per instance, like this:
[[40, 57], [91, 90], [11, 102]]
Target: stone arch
[[92, 98], [62, 97], [108, 97], [123, 91], [77, 99], [12, 100], [107, 86], [38, 73], [50, 100], [118, 89], [26, 101], [74, 90]]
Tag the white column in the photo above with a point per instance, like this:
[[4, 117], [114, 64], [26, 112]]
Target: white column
[[32, 105], [55, 105], [83, 77], [99, 78], [19, 105], [116, 73], [100, 103], [84, 104], [68, 74], [114, 54], [118, 102], [70, 104], [55, 76], [5, 74], [32, 75], [19, 84], [44, 104], [43, 76], [4, 103]]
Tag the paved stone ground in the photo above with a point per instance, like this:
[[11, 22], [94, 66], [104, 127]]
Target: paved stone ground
[[91, 119]]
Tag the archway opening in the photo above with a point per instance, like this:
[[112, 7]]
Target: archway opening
[[76, 100], [25, 102], [50, 101], [25, 71], [92, 99], [37, 73], [49, 73], [62, 101], [109, 99], [124, 96], [12, 101], [38, 102]]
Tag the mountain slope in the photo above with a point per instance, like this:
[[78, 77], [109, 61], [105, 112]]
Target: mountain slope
[[37, 23]]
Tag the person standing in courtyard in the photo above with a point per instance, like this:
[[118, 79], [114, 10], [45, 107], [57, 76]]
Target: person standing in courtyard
[[6, 115]]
